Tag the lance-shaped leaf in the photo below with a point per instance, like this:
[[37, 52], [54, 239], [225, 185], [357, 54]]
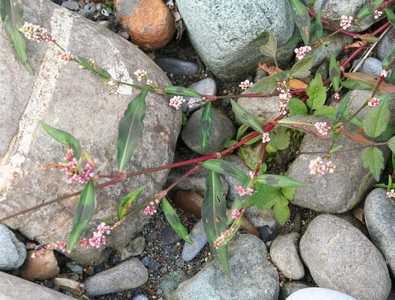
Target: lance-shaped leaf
[[214, 216], [369, 9], [224, 167], [249, 156], [373, 159], [265, 85], [11, 12], [355, 137], [302, 19], [82, 215], [245, 117], [390, 16], [127, 202], [377, 120], [174, 221], [302, 68], [342, 107], [95, 69], [270, 47], [307, 124], [316, 92], [63, 138], [130, 129], [357, 85], [277, 180], [334, 72], [385, 88], [179, 90], [206, 123], [319, 28]]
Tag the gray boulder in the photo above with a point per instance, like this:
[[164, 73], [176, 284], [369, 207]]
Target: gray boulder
[[380, 218], [252, 276], [314, 293], [341, 258], [79, 102], [12, 251], [221, 32]]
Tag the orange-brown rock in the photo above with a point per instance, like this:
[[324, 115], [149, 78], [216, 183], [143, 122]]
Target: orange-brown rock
[[42, 267], [149, 22]]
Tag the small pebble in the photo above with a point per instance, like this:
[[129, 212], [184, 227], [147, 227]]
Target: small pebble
[[75, 268], [140, 297], [72, 5], [153, 265], [177, 67], [169, 236], [90, 8], [198, 235]]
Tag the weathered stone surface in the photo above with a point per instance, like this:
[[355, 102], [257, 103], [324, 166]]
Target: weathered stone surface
[[314, 293], [42, 267], [149, 22], [341, 258], [285, 255], [221, 32], [222, 131], [252, 276], [346, 187], [12, 287], [198, 235], [129, 274], [380, 220], [12, 251], [290, 287], [79, 102]]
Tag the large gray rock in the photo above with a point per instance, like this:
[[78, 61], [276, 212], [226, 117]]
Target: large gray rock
[[12, 287], [129, 274], [252, 276], [12, 251], [332, 10], [341, 258], [79, 102], [346, 187], [380, 220], [314, 293], [386, 44], [221, 32]]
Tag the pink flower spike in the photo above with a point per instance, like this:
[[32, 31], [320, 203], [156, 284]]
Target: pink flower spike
[[177, 101], [246, 85], [317, 167], [345, 22], [302, 51], [241, 191], [384, 73], [265, 137], [373, 102], [235, 214], [377, 14], [336, 96], [249, 191]]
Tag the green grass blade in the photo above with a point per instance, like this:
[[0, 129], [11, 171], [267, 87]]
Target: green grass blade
[[82, 215], [130, 129]]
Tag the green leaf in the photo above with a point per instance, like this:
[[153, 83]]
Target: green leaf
[[333, 150], [241, 131], [270, 47], [387, 134], [214, 216], [174, 221], [373, 159], [390, 16], [95, 69], [297, 107], [342, 107], [296, 38], [388, 59], [224, 167], [377, 120], [253, 140], [327, 111], [316, 92], [277, 180], [281, 212], [288, 192], [127, 202], [130, 129], [265, 85], [245, 117], [369, 9], [249, 156], [279, 140], [391, 144], [334, 73], [11, 16], [302, 68], [63, 138], [179, 90], [82, 215], [302, 19], [206, 123], [307, 124], [368, 38], [318, 26], [356, 85]]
